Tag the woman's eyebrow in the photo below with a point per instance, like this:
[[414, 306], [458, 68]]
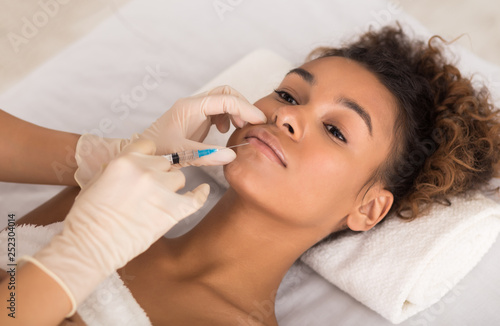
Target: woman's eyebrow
[[353, 105], [306, 75], [347, 102]]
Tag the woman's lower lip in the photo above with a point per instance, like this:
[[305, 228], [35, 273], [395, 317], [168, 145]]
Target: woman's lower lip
[[264, 149]]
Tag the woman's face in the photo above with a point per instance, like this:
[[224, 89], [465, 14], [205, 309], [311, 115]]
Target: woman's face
[[329, 128]]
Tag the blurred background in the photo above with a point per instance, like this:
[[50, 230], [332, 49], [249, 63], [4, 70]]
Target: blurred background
[[478, 21]]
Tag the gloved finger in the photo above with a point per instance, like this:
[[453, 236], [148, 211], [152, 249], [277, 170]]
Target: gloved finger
[[197, 196], [186, 204], [143, 146], [237, 121], [137, 170], [221, 120], [235, 106], [222, 123], [222, 89], [149, 162], [226, 90], [141, 151], [172, 180]]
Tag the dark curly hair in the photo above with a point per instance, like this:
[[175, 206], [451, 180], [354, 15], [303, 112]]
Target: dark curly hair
[[447, 132]]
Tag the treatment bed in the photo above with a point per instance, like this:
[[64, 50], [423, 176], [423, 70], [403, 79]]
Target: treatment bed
[[96, 85]]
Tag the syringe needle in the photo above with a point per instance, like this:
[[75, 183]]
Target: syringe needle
[[238, 145]]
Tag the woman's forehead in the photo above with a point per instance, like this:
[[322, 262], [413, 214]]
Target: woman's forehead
[[339, 77]]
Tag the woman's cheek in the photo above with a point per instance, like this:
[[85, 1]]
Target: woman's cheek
[[324, 185], [267, 105]]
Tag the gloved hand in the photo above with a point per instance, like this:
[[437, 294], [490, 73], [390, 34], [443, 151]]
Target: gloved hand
[[115, 218], [182, 127]]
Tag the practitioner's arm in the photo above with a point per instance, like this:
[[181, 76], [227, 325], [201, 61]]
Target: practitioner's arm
[[109, 224], [33, 154], [39, 300]]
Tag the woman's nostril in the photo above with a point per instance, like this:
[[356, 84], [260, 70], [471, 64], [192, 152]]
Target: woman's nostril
[[290, 128]]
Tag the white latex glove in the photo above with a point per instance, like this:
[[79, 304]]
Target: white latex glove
[[182, 127], [115, 218]]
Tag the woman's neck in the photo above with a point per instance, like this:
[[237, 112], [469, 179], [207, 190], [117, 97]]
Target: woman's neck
[[238, 249]]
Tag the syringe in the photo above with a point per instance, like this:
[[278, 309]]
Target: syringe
[[190, 155]]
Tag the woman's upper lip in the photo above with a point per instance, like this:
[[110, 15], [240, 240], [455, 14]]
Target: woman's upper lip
[[270, 140]]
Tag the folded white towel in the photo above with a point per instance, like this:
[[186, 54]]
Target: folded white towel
[[400, 268], [110, 304]]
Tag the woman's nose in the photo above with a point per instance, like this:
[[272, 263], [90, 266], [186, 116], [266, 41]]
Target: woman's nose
[[287, 119]]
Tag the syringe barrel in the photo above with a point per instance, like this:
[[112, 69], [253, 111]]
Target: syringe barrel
[[182, 157]]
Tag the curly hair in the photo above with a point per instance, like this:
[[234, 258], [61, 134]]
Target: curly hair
[[447, 132]]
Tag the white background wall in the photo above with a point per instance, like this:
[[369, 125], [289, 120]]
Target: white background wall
[[478, 19]]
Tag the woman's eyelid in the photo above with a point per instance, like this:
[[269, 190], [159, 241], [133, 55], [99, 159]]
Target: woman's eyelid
[[285, 95], [292, 91], [341, 129]]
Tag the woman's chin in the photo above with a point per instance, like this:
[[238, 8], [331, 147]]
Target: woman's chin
[[234, 172]]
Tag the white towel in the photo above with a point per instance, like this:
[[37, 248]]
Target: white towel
[[110, 304], [401, 268]]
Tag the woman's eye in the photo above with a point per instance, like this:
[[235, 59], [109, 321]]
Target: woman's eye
[[335, 132], [286, 97]]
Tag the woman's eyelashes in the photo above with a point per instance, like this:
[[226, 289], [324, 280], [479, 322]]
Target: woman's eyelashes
[[335, 132], [285, 96]]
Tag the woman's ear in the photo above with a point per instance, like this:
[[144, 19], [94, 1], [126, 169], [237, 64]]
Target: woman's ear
[[374, 206]]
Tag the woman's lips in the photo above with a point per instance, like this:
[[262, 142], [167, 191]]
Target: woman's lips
[[268, 144]]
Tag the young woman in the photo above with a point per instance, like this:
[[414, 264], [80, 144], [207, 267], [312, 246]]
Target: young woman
[[381, 125]]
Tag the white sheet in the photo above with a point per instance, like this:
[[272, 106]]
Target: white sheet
[[81, 89]]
